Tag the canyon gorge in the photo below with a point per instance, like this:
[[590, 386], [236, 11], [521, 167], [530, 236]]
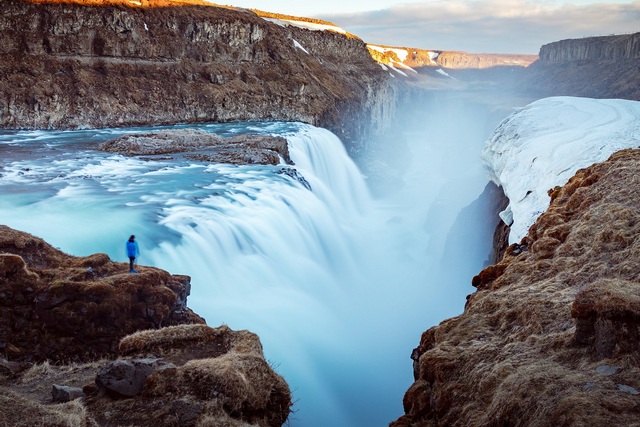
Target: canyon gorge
[[337, 274]]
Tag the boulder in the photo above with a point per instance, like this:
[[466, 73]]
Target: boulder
[[127, 377], [62, 393]]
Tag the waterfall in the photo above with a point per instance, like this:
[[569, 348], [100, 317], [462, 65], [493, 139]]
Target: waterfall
[[338, 285]]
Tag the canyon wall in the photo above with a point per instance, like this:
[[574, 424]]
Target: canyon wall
[[594, 67], [69, 66], [465, 60], [592, 48]]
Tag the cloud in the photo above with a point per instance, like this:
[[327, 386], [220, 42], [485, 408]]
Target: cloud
[[496, 26]]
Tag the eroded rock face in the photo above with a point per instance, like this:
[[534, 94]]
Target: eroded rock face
[[551, 335], [58, 307], [69, 65]]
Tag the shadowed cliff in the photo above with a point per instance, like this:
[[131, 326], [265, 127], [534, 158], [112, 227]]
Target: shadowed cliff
[[551, 337]]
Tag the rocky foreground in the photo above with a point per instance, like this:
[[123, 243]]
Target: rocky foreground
[[126, 344], [552, 335]]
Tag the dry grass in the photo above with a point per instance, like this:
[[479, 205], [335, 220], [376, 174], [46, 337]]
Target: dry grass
[[244, 384], [16, 411], [179, 344]]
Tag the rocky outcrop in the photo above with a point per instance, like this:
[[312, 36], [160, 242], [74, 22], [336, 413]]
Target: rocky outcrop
[[65, 65], [551, 337], [187, 375], [594, 67], [241, 149], [71, 313], [57, 307]]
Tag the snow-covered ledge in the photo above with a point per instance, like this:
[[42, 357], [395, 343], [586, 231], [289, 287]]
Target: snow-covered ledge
[[543, 145]]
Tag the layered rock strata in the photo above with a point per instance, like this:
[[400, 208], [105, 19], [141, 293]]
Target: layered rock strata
[[68, 65], [551, 337], [58, 307]]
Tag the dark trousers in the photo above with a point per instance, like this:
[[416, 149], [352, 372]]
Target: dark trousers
[[131, 260]]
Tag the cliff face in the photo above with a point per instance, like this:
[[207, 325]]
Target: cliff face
[[592, 48], [594, 67], [457, 60], [69, 65], [551, 336]]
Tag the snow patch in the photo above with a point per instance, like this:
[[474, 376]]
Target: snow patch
[[444, 73], [543, 145], [299, 46], [406, 67], [306, 25], [397, 71], [401, 53], [384, 67]]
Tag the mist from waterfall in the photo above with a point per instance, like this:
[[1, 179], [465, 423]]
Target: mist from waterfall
[[339, 285]]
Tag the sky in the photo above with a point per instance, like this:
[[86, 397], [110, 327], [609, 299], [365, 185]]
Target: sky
[[477, 26]]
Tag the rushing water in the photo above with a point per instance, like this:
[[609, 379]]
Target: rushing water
[[337, 284]]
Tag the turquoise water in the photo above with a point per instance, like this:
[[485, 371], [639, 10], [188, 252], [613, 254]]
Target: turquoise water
[[338, 285]]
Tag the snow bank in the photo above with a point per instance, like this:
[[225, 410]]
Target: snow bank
[[306, 25], [545, 143], [394, 65]]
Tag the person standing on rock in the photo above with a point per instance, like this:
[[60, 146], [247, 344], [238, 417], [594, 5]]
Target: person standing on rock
[[132, 252]]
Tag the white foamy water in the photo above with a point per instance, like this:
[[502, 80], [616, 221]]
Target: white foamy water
[[338, 286]]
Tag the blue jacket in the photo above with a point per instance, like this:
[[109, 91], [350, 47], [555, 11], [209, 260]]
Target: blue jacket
[[132, 249]]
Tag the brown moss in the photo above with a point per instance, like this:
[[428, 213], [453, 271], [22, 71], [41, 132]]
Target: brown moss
[[488, 275]]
